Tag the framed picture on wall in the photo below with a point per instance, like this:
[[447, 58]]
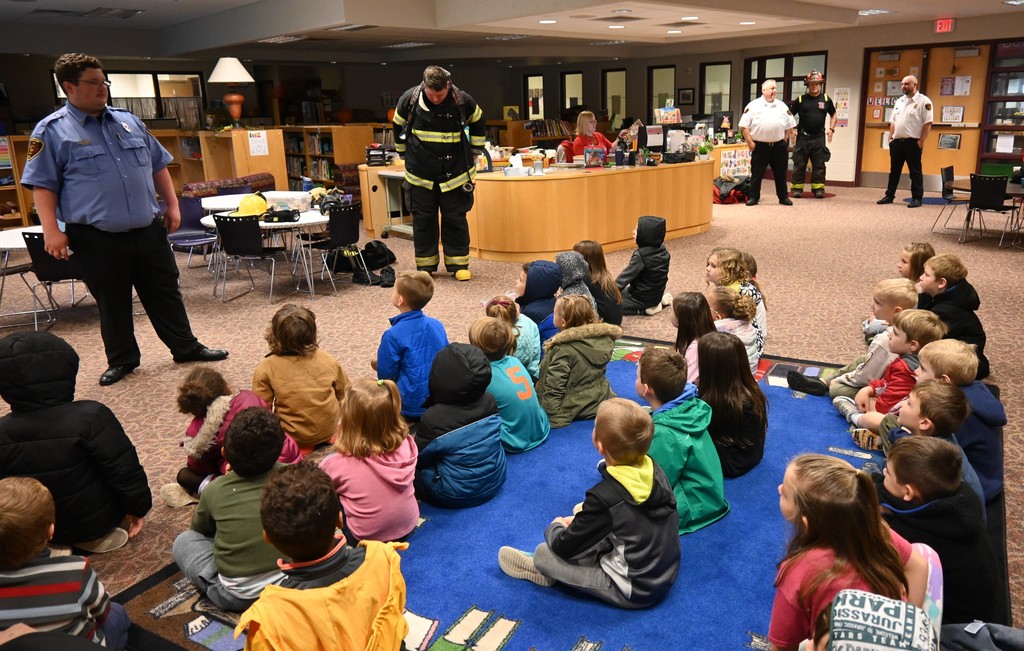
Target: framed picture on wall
[[684, 96], [949, 141], [952, 114]]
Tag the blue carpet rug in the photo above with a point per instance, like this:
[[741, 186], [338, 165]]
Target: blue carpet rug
[[458, 597]]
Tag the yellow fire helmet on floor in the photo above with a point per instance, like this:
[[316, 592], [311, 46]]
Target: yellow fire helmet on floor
[[251, 205]]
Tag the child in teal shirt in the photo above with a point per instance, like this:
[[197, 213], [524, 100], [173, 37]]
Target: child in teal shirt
[[524, 424]]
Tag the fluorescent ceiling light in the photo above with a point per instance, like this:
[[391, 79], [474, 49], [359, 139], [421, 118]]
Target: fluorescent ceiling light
[[748, 22], [608, 42], [277, 40], [874, 12], [622, 11], [547, 21], [690, 18], [1015, 3], [347, 28], [675, 31], [616, 27], [403, 46]]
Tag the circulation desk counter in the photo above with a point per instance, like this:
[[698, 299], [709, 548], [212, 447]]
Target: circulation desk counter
[[520, 219]]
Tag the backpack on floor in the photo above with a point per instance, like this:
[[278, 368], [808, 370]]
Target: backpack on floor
[[376, 254]]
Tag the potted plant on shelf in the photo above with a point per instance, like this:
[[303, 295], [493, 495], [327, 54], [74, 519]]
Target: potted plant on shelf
[[704, 149]]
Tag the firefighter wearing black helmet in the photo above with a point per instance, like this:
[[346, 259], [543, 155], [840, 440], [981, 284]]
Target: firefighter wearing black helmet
[[812, 110]]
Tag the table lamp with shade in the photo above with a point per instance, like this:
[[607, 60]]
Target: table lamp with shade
[[230, 70]]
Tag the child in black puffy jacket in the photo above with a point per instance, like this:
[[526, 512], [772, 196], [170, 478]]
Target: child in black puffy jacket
[[643, 281]]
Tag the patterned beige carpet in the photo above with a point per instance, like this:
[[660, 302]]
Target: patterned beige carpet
[[818, 261]]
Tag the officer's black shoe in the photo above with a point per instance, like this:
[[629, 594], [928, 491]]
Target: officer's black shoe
[[916, 203], [115, 374], [884, 200], [785, 201], [819, 194], [751, 202], [201, 354]]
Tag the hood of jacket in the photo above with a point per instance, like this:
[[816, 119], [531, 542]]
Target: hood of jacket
[[686, 412], [575, 274], [650, 231], [957, 517], [542, 281], [594, 341], [984, 405], [459, 375], [962, 294], [396, 468], [37, 370]]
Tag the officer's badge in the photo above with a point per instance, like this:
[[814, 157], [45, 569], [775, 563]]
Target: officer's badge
[[927, 107], [821, 106], [35, 145]]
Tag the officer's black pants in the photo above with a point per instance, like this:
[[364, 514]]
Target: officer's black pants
[[775, 154], [813, 148], [454, 230], [116, 262], [905, 150]]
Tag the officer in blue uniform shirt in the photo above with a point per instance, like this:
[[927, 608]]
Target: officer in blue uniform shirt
[[98, 170]]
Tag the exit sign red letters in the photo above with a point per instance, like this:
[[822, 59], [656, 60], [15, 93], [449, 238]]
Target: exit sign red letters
[[944, 25]]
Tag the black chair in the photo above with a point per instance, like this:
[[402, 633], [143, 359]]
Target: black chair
[[951, 197], [343, 239], [7, 269], [50, 271], [988, 194], [241, 240], [191, 234]]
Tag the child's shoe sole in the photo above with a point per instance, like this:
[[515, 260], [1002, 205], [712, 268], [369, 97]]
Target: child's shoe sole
[[865, 439], [113, 539], [519, 565], [174, 496]]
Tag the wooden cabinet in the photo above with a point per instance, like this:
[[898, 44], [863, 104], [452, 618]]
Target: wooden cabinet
[[241, 152], [1002, 142], [317, 151], [14, 192], [187, 166], [509, 133]]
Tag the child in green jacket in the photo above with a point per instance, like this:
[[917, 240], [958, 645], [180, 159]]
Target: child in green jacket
[[681, 445]]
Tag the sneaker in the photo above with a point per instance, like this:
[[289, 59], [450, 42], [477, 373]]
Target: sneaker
[[651, 311], [797, 194], [108, 542], [387, 277], [812, 386], [59, 550], [845, 406], [865, 439], [463, 274], [175, 496], [871, 468], [519, 565], [666, 299]]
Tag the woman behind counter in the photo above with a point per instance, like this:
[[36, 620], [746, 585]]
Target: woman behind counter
[[586, 125]]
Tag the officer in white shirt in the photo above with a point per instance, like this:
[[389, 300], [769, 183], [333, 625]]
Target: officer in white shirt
[[767, 125], [908, 130]]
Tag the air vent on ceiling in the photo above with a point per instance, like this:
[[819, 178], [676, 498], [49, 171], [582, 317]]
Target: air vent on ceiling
[[405, 46], [618, 19], [608, 42], [108, 12], [506, 37], [277, 40]]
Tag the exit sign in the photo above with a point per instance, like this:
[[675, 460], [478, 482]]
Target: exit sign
[[944, 25]]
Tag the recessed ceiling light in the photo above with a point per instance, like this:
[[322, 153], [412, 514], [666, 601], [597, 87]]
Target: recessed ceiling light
[[547, 21], [675, 31], [690, 18], [748, 22], [616, 27], [874, 12]]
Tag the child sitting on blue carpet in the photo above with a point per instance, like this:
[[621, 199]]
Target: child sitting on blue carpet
[[461, 462], [925, 500], [527, 333], [739, 409], [691, 317], [524, 424], [622, 547], [734, 313], [839, 541], [536, 286], [344, 596], [681, 445]]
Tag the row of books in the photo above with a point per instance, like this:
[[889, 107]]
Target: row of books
[[551, 128]]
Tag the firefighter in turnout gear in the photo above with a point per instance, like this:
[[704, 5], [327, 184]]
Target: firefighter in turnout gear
[[812, 110], [436, 125]]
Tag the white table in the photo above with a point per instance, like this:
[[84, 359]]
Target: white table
[[220, 203], [12, 240], [308, 221]]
